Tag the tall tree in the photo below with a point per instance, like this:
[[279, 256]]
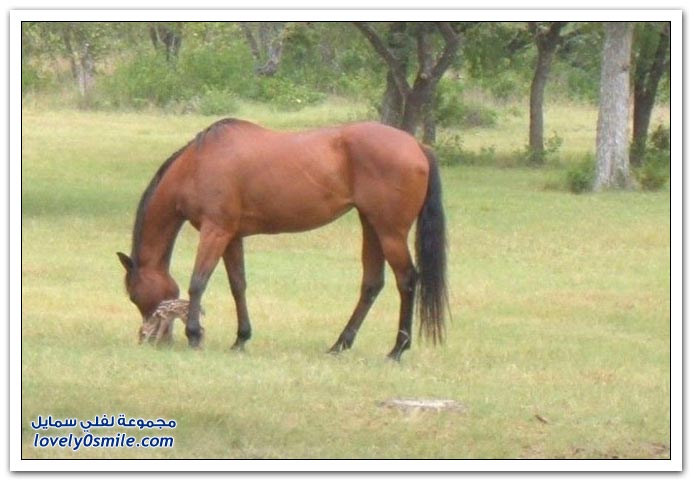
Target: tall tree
[[167, 36], [416, 98], [266, 43], [652, 60], [75, 37], [612, 146], [399, 43], [546, 36]]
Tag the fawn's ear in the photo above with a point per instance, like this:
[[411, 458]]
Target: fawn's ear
[[125, 261]]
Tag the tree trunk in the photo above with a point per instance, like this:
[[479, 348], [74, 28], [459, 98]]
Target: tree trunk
[[612, 159], [85, 71], [81, 60], [168, 37], [547, 40], [429, 124], [392, 107], [645, 87], [266, 45], [416, 100]]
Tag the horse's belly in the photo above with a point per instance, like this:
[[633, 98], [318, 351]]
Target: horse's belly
[[290, 211]]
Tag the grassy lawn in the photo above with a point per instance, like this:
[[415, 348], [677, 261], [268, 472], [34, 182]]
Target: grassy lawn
[[559, 345]]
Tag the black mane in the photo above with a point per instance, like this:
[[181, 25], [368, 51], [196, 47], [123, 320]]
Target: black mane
[[144, 202]]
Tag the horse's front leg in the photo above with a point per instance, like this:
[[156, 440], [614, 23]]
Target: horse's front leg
[[234, 260], [212, 243]]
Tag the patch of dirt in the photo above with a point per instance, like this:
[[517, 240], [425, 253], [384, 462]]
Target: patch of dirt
[[416, 405]]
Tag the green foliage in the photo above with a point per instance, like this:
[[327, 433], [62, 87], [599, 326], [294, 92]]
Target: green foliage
[[660, 139], [226, 68], [146, 79], [581, 176], [217, 102], [202, 76], [450, 150], [647, 37], [33, 78], [331, 58], [577, 67], [551, 147], [451, 110], [654, 172], [652, 175], [283, 94]]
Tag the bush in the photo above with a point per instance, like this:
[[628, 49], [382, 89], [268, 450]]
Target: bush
[[580, 177], [219, 69], [652, 175], [283, 94], [655, 169], [145, 79], [507, 86], [450, 150], [660, 138], [452, 111], [217, 102], [31, 79], [202, 78], [551, 146]]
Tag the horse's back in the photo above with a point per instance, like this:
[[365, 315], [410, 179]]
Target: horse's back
[[257, 180]]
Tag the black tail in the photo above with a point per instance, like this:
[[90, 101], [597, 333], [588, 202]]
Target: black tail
[[431, 256]]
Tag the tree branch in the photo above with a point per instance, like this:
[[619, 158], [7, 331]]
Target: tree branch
[[250, 38], [395, 67], [452, 40], [424, 49], [659, 64]]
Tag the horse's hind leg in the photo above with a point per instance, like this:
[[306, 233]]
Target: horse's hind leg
[[373, 280], [234, 261], [396, 252], [212, 244]]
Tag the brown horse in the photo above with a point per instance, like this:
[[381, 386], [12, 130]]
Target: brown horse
[[237, 179]]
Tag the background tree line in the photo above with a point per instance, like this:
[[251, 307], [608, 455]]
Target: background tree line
[[413, 74]]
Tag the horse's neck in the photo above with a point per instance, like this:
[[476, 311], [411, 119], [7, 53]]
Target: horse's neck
[[160, 228]]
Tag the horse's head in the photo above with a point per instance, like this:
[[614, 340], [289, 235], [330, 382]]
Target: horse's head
[[147, 287]]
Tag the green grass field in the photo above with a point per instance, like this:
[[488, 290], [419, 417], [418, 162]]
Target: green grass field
[[559, 345]]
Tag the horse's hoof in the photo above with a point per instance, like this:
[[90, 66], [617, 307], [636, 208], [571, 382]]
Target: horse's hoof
[[395, 355], [337, 348], [238, 347], [194, 340]]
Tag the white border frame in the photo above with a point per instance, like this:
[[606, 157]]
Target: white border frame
[[15, 19]]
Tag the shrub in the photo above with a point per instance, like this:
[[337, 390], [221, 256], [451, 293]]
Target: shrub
[[652, 175], [551, 146], [660, 138], [283, 94], [217, 102], [580, 177], [655, 169], [31, 79], [202, 79], [452, 111], [220, 69], [145, 79], [450, 150]]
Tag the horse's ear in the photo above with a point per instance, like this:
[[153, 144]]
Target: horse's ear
[[125, 261]]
